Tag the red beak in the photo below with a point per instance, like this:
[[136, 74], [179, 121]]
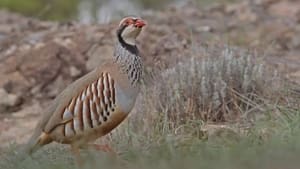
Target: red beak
[[140, 23]]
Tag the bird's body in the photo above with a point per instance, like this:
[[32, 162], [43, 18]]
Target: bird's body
[[98, 102]]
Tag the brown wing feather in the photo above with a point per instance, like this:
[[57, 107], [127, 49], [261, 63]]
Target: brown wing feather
[[94, 104], [52, 117]]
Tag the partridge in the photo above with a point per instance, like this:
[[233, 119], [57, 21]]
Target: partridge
[[96, 103]]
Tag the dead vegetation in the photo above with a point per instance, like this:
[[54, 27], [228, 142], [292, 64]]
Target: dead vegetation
[[224, 86]]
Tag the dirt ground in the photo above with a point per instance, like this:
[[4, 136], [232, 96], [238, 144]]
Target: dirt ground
[[38, 58]]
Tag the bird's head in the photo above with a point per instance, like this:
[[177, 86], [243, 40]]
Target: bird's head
[[129, 29]]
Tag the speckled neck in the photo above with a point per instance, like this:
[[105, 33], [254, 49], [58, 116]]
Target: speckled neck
[[130, 62]]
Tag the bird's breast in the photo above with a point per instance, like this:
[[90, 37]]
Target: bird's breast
[[125, 99]]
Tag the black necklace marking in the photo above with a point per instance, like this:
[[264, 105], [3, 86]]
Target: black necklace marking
[[131, 48]]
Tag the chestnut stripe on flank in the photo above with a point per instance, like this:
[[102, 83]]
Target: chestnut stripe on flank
[[99, 84], [105, 107], [108, 93], [113, 91], [87, 91], [101, 90], [72, 127], [95, 111], [95, 90], [76, 115], [88, 113], [64, 130], [97, 101], [68, 129], [82, 95], [80, 115], [90, 91], [94, 115], [110, 89], [101, 115], [71, 106], [65, 110]]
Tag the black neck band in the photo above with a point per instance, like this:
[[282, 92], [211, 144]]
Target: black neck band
[[131, 48]]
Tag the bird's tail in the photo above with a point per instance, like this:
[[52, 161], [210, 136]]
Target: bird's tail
[[36, 142]]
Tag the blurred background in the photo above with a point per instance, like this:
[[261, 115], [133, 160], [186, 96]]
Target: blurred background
[[87, 11]]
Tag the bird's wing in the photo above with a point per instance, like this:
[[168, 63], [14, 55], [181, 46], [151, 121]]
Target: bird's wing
[[54, 114], [76, 101]]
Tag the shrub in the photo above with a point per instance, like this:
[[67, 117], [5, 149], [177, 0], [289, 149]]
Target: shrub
[[227, 85]]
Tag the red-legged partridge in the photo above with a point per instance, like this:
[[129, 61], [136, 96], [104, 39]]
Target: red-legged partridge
[[98, 102]]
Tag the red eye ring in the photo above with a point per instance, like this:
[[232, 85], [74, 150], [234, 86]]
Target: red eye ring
[[136, 22], [128, 22]]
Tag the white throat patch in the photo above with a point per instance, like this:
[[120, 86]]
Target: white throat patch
[[130, 33]]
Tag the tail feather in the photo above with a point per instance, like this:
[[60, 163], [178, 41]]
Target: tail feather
[[36, 143]]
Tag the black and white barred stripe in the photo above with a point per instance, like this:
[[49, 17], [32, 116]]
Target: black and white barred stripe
[[91, 107]]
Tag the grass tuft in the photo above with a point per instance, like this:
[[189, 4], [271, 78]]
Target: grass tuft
[[227, 86]]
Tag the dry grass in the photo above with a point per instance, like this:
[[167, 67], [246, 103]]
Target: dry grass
[[217, 85], [271, 143]]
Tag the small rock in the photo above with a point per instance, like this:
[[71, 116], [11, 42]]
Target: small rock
[[66, 42], [248, 16], [204, 29], [264, 2], [231, 8], [6, 29], [36, 89], [74, 72], [296, 41], [10, 50], [39, 45], [24, 47], [286, 9], [242, 11], [220, 132], [295, 76], [8, 100], [34, 38], [30, 110]]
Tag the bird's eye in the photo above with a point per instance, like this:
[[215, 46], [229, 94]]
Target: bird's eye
[[129, 21]]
